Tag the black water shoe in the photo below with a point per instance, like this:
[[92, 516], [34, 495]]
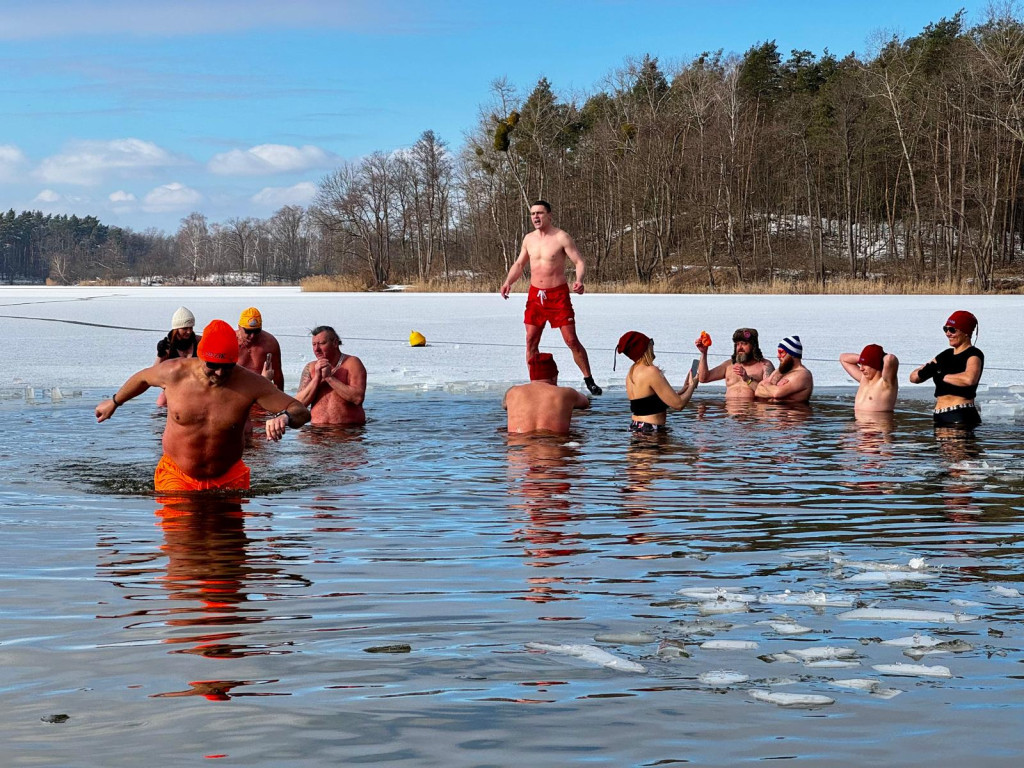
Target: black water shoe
[[594, 389]]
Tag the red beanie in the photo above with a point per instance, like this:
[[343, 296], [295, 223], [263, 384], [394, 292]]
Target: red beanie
[[633, 345], [963, 320], [219, 343], [872, 356], [542, 366]]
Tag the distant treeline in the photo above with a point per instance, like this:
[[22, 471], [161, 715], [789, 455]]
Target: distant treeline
[[722, 170]]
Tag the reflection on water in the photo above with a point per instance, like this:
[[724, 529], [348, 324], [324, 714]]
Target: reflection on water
[[252, 628], [540, 474], [217, 583]]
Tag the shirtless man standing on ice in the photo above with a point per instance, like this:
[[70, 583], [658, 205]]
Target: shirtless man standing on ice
[[545, 250], [334, 385], [208, 402], [876, 372], [743, 371]]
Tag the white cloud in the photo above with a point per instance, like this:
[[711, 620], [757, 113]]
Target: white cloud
[[171, 197], [121, 197], [47, 196], [87, 162], [276, 197], [270, 158], [12, 162]]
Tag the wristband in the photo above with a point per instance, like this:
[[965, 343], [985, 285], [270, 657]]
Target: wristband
[[282, 413], [113, 399]]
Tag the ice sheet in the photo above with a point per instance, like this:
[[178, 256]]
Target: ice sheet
[[477, 340]]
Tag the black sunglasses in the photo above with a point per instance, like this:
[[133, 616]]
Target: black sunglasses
[[251, 331], [219, 366], [949, 329]]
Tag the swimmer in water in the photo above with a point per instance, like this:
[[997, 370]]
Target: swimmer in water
[[258, 350], [542, 405], [876, 373], [650, 395], [180, 342], [743, 371], [957, 371], [333, 386], [208, 402], [792, 382]]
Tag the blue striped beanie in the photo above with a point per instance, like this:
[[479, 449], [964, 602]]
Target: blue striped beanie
[[792, 345]]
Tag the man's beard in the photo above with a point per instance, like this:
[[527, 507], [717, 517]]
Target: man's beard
[[787, 365], [744, 357], [185, 343]]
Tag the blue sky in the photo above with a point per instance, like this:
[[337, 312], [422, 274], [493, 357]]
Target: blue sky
[[142, 111]]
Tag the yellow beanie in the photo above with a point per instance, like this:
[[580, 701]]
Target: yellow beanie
[[417, 339], [251, 319]]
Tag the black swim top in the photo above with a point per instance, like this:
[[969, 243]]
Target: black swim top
[[947, 362], [647, 406]]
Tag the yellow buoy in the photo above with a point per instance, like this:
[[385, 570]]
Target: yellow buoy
[[417, 339]]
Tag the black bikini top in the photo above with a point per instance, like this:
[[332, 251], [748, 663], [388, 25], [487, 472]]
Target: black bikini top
[[647, 406]]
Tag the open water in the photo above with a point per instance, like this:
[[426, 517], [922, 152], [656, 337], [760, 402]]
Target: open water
[[411, 593]]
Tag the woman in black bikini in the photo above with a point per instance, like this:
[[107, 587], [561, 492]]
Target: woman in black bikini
[[956, 371], [650, 394]]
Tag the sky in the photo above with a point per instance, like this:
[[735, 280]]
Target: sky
[[141, 113]]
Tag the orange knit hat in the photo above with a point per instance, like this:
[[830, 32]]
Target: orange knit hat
[[219, 343]]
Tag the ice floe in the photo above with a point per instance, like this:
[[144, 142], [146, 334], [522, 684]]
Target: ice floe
[[1005, 591], [722, 606], [874, 687], [787, 627], [820, 652], [916, 640], [592, 654], [791, 699], [912, 670], [729, 645], [722, 677], [716, 593], [810, 598], [905, 614], [888, 577]]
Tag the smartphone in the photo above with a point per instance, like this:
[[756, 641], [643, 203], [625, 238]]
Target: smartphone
[[694, 364]]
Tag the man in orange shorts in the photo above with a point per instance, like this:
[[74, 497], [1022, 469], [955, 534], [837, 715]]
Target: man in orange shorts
[[545, 250], [208, 401]]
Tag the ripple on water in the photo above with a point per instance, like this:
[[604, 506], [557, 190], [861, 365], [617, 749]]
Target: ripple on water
[[241, 626]]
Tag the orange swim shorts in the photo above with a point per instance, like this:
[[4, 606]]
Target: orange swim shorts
[[169, 477], [552, 305]]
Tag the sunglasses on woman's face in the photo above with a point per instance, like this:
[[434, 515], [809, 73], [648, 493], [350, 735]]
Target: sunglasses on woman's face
[[949, 330], [219, 366]]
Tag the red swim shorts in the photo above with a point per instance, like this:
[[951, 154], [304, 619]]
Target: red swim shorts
[[169, 477], [551, 305]]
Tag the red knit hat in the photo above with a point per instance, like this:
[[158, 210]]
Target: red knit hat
[[872, 356], [963, 320], [219, 343], [633, 345], [542, 366]]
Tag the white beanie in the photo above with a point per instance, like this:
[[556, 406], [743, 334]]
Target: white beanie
[[183, 319]]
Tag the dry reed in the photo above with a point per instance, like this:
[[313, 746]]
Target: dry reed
[[334, 284]]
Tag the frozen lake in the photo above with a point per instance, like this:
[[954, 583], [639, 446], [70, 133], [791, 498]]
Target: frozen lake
[[477, 340]]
